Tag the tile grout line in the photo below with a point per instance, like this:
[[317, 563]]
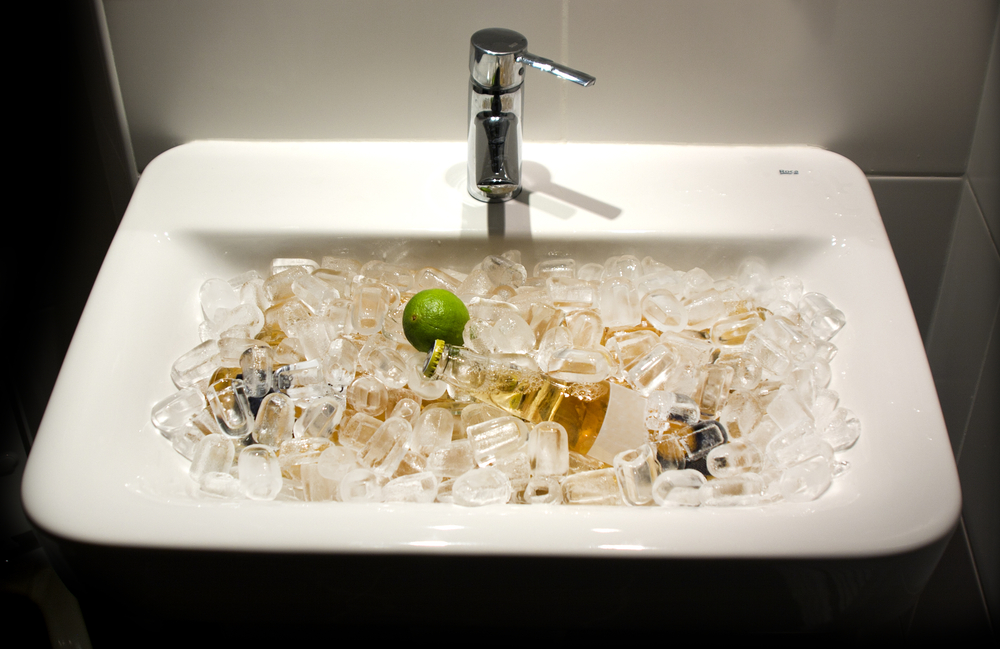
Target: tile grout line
[[564, 59], [975, 572], [932, 327], [982, 364], [993, 236], [116, 92], [975, 390]]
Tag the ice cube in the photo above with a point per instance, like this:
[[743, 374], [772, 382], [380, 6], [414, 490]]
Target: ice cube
[[840, 429], [713, 388], [357, 430], [386, 447], [368, 395], [561, 267], [585, 327], [195, 365], [741, 414], [496, 437], [542, 317], [260, 472], [678, 488], [360, 486], [431, 277], [282, 264], [542, 490], [625, 266], [335, 462], [636, 470], [387, 365], [703, 437], [432, 428], [278, 286], [257, 365], [216, 295], [742, 490], [313, 291], [548, 448], [727, 460], [317, 487], [619, 302], [747, 370], [220, 484], [807, 480], [504, 272], [590, 272], [399, 277], [574, 365], [570, 293], [173, 412], [228, 402], [652, 370], [321, 417], [451, 459], [664, 409], [414, 488], [369, 309], [732, 331], [517, 467], [479, 487], [275, 420], [213, 453], [598, 487], [664, 311], [512, 335], [704, 308], [787, 408]]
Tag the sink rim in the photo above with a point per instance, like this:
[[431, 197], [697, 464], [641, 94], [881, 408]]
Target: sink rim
[[191, 194]]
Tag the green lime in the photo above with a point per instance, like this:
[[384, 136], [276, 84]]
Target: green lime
[[434, 314]]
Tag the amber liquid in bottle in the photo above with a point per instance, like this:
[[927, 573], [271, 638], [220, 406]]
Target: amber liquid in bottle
[[579, 407]]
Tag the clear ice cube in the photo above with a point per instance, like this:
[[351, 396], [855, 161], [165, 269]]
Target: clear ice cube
[[260, 473], [548, 448], [678, 488], [480, 487], [636, 470]]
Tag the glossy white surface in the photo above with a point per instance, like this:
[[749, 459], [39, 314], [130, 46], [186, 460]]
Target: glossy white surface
[[100, 473]]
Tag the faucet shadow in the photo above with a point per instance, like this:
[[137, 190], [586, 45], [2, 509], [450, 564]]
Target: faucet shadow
[[537, 176], [538, 194]]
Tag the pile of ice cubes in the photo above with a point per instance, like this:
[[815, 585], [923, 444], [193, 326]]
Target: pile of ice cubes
[[305, 388]]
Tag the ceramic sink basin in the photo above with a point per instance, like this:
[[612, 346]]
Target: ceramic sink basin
[[100, 475]]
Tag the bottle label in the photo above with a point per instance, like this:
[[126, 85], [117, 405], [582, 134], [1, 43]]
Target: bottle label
[[624, 427]]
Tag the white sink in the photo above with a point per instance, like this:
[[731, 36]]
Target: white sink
[[100, 474]]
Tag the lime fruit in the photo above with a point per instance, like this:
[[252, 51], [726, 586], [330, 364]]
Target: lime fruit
[[434, 314]]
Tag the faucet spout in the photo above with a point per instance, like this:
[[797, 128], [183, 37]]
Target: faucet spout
[[496, 178], [497, 161], [496, 104]]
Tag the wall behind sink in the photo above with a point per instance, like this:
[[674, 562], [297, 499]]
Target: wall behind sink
[[893, 85], [901, 87]]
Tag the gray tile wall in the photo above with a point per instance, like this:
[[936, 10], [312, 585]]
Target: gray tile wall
[[963, 346], [944, 232], [919, 216], [894, 85]]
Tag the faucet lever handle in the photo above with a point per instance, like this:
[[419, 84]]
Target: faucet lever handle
[[561, 71]]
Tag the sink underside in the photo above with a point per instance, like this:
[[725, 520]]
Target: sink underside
[[100, 473]]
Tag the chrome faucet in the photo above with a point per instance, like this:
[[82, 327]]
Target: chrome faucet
[[496, 102]]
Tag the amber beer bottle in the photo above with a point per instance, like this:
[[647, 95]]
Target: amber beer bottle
[[601, 419]]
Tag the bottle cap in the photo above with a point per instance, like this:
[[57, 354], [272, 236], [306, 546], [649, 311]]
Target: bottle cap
[[434, 357]]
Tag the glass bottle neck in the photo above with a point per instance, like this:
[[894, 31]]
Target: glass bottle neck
[[458, 366]]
